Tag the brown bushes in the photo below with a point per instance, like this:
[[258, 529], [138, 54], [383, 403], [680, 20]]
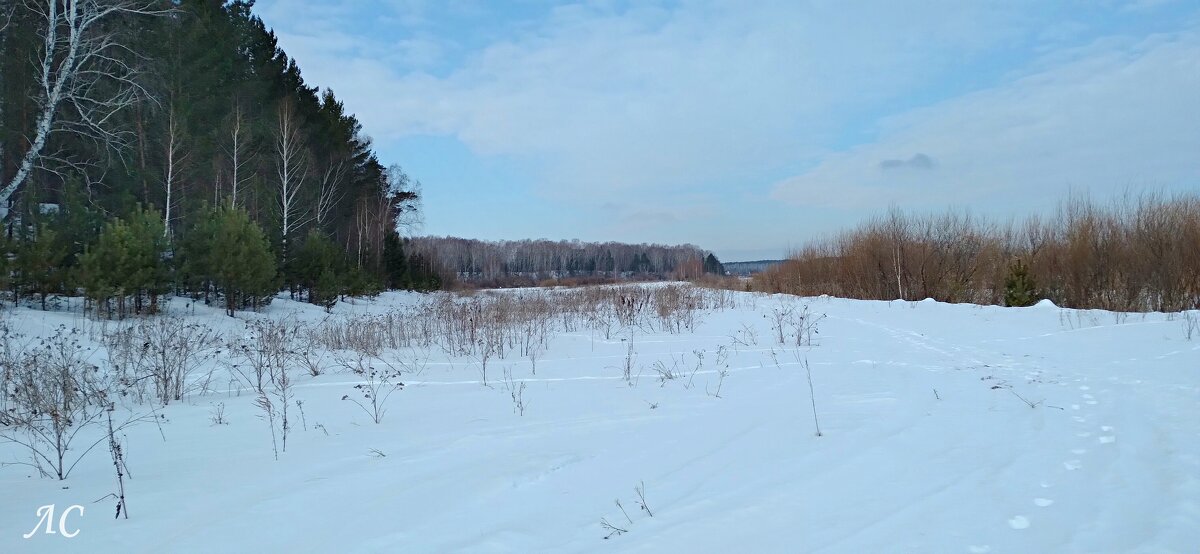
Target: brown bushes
[[1135, 254]]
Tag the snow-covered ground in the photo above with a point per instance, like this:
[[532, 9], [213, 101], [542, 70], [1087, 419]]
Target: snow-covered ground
[[929, 444]]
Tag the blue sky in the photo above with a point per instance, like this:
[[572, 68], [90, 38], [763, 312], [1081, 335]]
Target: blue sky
[[750, 127]]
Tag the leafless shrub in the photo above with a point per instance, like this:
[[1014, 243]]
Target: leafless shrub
[[780, 317], [263, 402], [52, 396], [812, 397], [268, 349], [516, 389], [623, 512], [379, 380], [116, 451], [665, 373], [699, 354], [722, 373], [745, 336], [640, 489], [217, 414], [804, 325], [281, 389], [303, 420], [312, 359], [163, 351], [612, 530], [1191, 324]]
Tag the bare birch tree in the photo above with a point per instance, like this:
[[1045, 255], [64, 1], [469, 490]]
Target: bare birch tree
[[292, 170], [238, 151], [174, 158], [84, 77], [331, 192]]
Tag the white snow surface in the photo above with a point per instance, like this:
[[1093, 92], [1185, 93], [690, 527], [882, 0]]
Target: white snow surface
[[926, 446]]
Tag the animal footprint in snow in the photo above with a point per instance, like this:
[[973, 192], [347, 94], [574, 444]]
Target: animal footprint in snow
[[1042, 502], [1108, 439], [1106, 428], [1072, 465], [1019, 522], [1080, 451]]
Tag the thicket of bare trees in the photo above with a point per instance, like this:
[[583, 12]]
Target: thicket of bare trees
[[1133, 254]]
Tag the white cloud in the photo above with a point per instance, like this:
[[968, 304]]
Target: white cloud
[[600, 99], [1116, 115]]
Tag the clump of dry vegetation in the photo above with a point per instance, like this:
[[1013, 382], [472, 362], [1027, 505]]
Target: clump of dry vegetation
[[1137, 253], [497, 324]]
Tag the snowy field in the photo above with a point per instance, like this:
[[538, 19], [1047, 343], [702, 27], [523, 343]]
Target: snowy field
[[945, 428]]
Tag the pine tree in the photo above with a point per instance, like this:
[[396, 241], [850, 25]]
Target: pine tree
[[241, 261], [326, 290], [395, 264], [193, 271], [127, 261], [713, 265], [1019, 287], [320, 269], [40, 263]]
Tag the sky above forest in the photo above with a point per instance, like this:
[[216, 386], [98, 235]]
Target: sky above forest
[[749, 128]]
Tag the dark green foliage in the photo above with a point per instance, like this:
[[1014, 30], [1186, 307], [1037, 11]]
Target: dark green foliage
[[395, 264], [326, 290], [39, 264], [207, 68], [1019, 287], [127, 262], [193, 271], [713, 265], [403, 271], [320, 269], [240, 262], [361, 283]]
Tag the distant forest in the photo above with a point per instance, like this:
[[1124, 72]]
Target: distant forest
[[750, 268], [156, 132], [524, 262]]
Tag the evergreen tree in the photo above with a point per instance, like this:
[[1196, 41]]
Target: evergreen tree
[[326, 290], [319, 268], [127, 261], [241, 261], [395, 264], [193, 271], [212, 73], [713, 265], [39, 264], [1019, 287]]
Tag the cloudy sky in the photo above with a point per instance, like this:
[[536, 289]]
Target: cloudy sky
[[750, 127]]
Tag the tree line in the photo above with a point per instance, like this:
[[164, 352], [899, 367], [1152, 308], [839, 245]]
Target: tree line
[[1137, 253], [116, 112], [527, 262]]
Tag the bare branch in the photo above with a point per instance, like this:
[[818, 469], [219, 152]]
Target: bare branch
[[84, 80]]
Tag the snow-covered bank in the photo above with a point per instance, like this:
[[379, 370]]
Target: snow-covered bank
[[930, 444]]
